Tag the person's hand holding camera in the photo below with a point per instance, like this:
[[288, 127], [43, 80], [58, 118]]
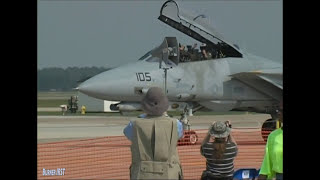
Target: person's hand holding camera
[[211, 126]]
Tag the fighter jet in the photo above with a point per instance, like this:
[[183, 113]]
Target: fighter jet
[[218, 77]]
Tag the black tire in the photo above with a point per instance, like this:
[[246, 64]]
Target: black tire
[[267, 127], [193, 138]]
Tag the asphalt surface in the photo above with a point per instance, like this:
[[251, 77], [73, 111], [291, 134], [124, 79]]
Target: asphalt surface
[[61, 128]]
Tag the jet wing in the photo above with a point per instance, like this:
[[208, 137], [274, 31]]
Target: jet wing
[[195, 26], [267, 81]]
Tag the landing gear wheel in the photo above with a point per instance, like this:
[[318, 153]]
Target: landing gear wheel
[[193, 138], [267, 127]]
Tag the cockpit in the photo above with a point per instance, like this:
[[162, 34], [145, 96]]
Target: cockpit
[[211, 44], [180, 53], [197, 26], [190, 53]]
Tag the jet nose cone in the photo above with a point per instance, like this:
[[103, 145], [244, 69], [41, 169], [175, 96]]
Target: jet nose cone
[[106, 87], [98, 86], [88, 87]]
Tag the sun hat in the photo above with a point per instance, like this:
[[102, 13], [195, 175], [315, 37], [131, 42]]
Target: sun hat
[[219, 130], [155, 102]]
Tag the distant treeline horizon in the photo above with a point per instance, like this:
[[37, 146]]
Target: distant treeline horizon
[[65, 79]]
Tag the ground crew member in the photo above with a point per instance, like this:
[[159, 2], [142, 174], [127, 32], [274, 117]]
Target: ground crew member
[[63, 109], [154, 140], [272, 165], [220, 153]]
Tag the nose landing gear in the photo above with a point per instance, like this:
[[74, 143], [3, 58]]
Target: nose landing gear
[[190, 137]]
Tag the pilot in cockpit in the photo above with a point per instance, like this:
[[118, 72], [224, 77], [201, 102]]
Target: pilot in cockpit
[[207, 52], [194, 47], [194, 52], [184, 56], [204, 51], [181, 47]]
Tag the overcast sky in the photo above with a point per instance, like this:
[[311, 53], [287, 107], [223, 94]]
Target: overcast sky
[[111, 33]]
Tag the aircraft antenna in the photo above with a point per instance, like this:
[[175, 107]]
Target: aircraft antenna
[[165, 69]]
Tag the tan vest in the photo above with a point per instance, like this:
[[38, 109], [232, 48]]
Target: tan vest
[[154, 149]]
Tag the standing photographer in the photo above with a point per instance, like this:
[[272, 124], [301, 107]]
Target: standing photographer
[[154, 140], [220, 153]]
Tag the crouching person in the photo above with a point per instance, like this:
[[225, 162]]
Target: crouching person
[[154, 140]]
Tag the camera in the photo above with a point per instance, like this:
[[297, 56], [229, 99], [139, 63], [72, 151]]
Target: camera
[[228, 124]]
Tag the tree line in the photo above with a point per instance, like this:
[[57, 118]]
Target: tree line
[[59, 79]]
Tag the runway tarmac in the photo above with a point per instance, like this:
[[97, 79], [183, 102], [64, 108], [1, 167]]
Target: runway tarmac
[[60, 128]]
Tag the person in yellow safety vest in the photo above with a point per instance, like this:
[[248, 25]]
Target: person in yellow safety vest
[[83, 110], [272, 165]]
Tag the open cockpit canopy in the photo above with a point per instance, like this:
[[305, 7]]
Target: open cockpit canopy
[[196, 27]]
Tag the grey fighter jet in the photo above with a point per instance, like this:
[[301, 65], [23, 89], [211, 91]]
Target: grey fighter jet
[[218, 77]]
